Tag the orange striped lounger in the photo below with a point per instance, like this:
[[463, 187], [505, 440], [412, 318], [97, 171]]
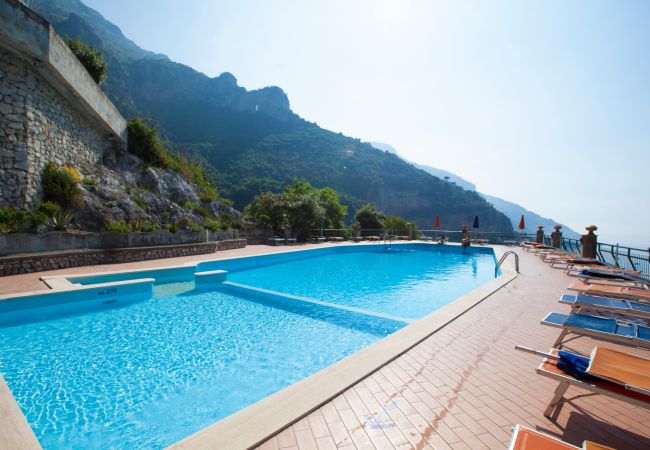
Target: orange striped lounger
[[608, 290]]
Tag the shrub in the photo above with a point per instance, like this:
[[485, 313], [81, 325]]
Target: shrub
[[171, 227], [73, 173], [60, 187], [196, 228], [20, 220], [61, 220], [89, 181], [120, 226], [49, 208], [91, 58], [211, 224], [143, 226], [139, 201], [144, 143]]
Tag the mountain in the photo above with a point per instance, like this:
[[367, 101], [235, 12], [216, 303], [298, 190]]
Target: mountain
[[252, 139], [442, 174], [510, 209]]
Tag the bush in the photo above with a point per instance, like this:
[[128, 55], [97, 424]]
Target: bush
[[20, 220], [61, 220], [91, 58], [49, 209], [120, 226], [60, 187], [211, 224], [143, 226], [196, 228], [171, 227], [144, 143]]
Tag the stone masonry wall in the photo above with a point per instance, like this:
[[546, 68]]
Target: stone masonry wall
[[14, 265], [38, 125]]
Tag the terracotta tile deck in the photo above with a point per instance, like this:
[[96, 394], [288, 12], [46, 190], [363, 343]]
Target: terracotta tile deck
[[465, 387], [462, 388]]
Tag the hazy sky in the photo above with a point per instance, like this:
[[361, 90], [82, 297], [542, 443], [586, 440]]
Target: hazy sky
[[546, 104]]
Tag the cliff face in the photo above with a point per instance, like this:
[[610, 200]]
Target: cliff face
[[123, 189], [252, 139]]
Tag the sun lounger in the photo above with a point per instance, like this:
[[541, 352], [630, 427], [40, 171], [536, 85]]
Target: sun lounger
[[618, 275], [526, 439], [618, 375], [335, 239], [608, 329], [372, 238], [481, 241], [276, 240], [568, 263], [605, 290], [581, 302]]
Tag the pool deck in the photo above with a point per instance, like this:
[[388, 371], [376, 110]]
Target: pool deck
[[463, 387]]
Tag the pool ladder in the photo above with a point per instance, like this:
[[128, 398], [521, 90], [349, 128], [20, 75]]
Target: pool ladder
[[503, 258], [387, 238]]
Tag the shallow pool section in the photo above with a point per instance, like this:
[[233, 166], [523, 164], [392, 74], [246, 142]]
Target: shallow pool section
[[407, 281], [152, 372]]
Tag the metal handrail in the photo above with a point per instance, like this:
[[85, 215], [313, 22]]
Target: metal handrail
[[503, 258]]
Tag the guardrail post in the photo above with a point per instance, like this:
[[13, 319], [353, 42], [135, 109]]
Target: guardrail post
[[589, 242], [540, 235], [556, 237]]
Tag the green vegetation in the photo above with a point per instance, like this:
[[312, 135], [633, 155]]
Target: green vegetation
[[144, 143], [91, 58], [61, 186], [120, 226], [61, 220], [300, 207], [369, 218], [21, 221]]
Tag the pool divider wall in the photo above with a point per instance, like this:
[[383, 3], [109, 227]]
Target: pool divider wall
[[209, 280], [349, 317]]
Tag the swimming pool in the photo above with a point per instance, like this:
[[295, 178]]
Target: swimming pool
[[147, 372]]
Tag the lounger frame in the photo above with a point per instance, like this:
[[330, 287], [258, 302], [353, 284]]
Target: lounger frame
[[566, 381]]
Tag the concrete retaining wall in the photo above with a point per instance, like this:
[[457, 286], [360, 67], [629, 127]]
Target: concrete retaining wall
[[17, 243]]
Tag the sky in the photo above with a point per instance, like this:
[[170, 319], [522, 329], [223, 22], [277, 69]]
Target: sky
[[546, 104]]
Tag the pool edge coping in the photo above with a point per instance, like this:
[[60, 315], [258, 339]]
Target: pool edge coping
[[253, 425]]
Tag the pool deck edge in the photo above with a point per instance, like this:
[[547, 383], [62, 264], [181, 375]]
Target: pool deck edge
[[15, 432], [258, 422]]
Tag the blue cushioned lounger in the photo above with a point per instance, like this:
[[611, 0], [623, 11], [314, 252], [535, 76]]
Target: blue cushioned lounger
[[614, 305], [598, 327]]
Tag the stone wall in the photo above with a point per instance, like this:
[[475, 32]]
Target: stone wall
[[14, 265], [38, 125]]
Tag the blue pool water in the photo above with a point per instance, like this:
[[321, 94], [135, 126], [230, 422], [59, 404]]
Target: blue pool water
[[146, 373], [408, 283]]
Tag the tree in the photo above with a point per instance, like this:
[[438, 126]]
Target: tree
[[300, 206], [268, 210], [334, 211], [91, 58], [303, 208], [369, 218], [396, 224]]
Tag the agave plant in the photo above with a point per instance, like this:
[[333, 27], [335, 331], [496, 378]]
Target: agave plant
[[61, 220]]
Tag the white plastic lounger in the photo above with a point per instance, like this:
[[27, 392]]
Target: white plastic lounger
[[605, 304], [611, 330]]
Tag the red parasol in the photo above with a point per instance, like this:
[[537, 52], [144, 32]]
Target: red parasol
[[437, 224], [522, 223]]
